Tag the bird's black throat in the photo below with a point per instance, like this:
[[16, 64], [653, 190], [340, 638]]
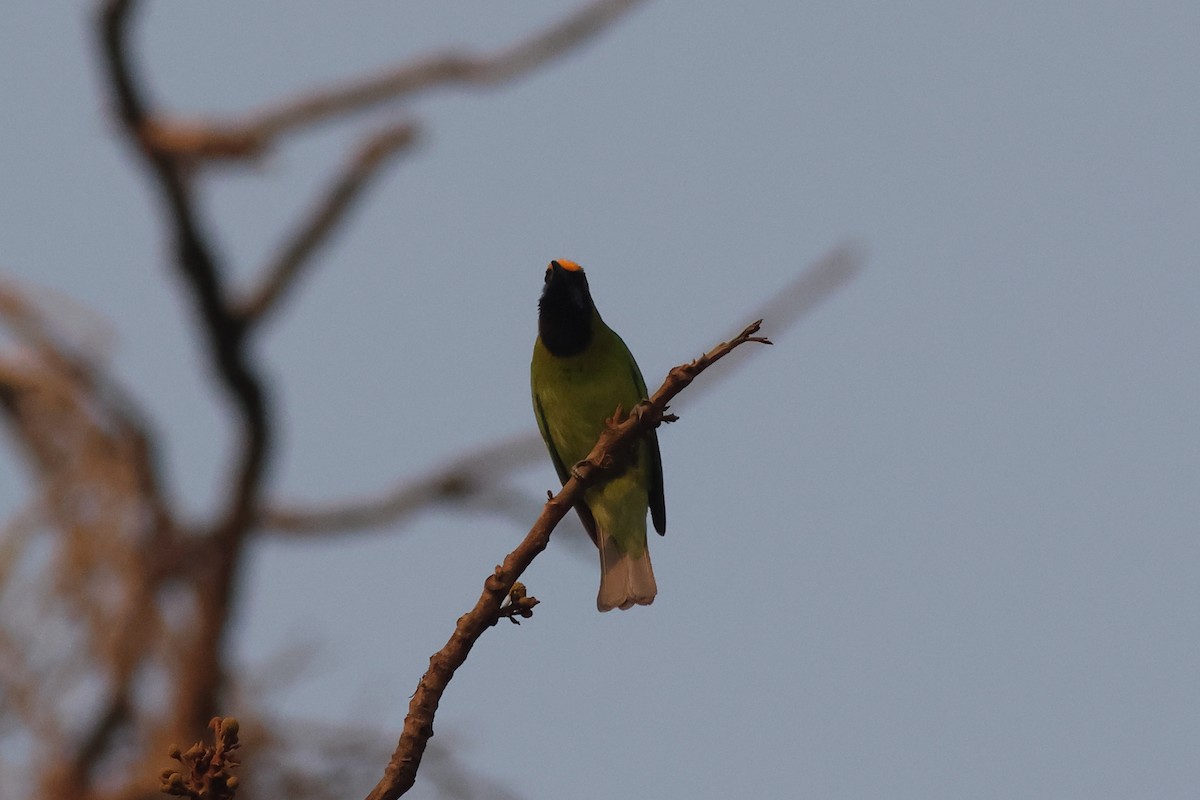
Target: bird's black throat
[[565, 313]]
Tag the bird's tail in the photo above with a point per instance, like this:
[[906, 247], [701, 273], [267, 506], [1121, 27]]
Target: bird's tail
[[625, 580]]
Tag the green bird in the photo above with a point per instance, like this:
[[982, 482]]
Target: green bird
[[581, 372]]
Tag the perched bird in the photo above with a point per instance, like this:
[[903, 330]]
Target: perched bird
[[581, 372]]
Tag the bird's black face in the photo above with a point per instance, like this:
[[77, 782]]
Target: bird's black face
[[565, 310]]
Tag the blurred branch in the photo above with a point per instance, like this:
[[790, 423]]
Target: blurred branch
[[339, 198], [254, 135], [811, 287], [225, 333], [462, 479], [401, 771]]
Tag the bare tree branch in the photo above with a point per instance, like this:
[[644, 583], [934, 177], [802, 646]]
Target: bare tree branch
[[197, 264], [254, 135], [226, 336], [338, 199], [467, 476], [401, 771]]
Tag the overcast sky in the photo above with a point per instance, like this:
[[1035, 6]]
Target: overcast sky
[[941, 541]]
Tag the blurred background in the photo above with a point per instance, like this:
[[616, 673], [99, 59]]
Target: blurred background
[[940, 541]]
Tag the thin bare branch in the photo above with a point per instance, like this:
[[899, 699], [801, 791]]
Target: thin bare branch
[[456, 482], [401, 771], [329, 212], [811, 287], [255, 134]]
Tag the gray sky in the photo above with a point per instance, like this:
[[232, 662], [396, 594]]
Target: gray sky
[[941, 541]]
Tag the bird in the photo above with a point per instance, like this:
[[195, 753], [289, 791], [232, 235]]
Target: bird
[[580, 373]]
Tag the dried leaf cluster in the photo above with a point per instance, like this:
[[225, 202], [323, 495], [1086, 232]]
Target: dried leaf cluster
[[205, 770]]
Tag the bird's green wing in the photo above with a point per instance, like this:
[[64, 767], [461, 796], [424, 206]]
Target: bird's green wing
[[658, 503], [564, 471]]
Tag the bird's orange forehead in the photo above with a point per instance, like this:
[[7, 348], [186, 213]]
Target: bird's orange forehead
[[569, 266]]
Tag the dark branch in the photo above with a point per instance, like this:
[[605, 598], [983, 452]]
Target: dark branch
[[226, 336], [196, 263], [401, 771]]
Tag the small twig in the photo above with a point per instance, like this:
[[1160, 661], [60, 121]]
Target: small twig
[[401, 771], [337, 200]]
